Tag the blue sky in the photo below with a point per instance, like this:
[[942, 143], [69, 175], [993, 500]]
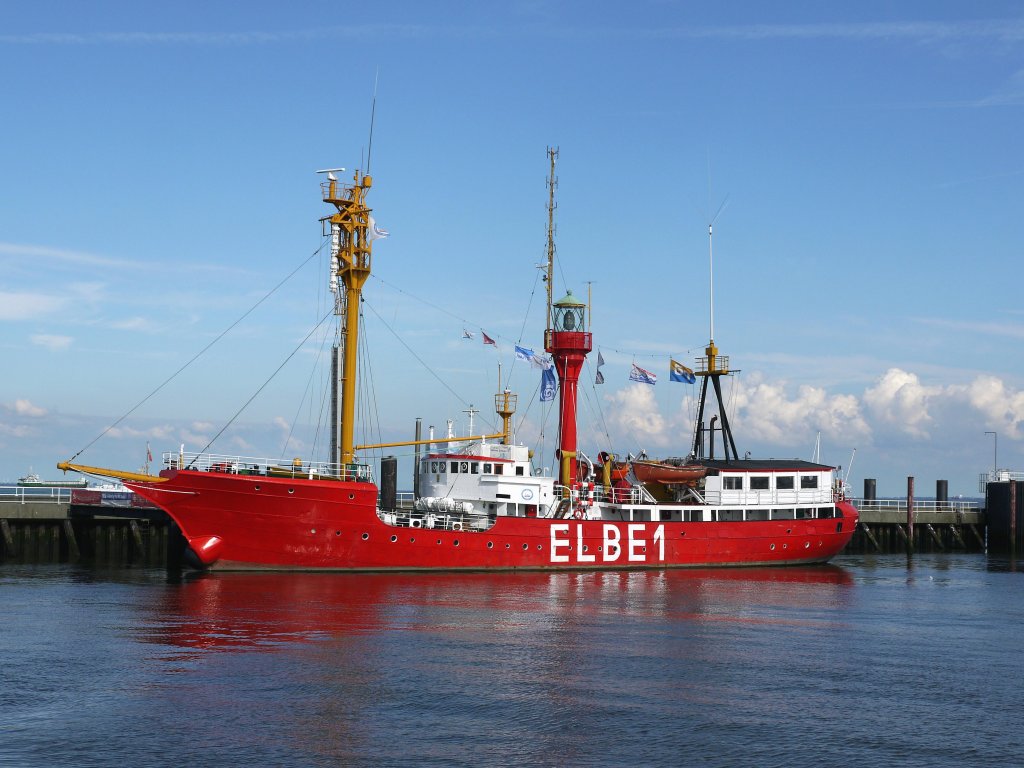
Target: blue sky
[[158, 179]]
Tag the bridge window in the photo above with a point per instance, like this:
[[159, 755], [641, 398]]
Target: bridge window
[[499, 469], [519, 470], [808, 481], [476, 467], [784, 482], [759, 483], [732, 483], [804, 513], [487, 468], [455, 467], [826, 511]]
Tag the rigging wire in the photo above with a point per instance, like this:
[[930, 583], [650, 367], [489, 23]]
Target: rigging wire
[[262, 386], [419, 359], [201, 352], [306, 394]]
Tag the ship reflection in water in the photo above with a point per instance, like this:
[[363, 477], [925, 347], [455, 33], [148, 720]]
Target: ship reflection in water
[[234, 611]]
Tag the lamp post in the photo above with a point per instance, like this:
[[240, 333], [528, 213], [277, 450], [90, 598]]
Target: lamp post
[[995, 456]]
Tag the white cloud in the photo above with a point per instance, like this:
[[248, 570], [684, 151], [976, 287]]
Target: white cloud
[[24, 306], [52, 342], [900, 399], [635, 412], [26, 408], [1002, 408], [765, 412]]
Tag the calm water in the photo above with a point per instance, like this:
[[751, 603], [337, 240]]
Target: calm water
[[870, 662]]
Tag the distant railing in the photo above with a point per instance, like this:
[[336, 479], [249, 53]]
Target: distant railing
[[999, 476], [248, 465], [37, 494], [900, 505]]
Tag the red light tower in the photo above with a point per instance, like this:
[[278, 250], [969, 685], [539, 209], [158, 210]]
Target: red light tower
[[568, 342]]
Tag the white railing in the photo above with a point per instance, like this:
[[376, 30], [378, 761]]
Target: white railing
[[38, 494], [998, 476], [249, 465], [900, 505]]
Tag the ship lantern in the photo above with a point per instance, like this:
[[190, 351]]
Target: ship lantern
[[569, 315]]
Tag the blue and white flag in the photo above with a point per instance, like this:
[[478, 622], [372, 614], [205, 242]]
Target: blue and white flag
[[548, 385], [522, 353], [679, 372], [376, 233], [641, 375]]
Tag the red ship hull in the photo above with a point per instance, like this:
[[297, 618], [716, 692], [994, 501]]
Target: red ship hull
[[244, 522]]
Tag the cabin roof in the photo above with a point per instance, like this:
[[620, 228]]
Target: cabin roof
[[764, 465]]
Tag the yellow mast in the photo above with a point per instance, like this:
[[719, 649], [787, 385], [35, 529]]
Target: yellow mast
[[350, 263]]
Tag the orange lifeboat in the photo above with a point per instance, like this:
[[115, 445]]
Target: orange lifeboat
[[668, 474]]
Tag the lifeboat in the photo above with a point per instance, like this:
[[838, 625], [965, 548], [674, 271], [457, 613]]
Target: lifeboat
[[668, 474]]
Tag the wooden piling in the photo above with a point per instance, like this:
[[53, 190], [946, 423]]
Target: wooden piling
[[910, 514], [1013, 517], [5, 528], [69, 536]]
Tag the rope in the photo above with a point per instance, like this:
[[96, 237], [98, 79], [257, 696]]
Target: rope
[[264, 384], [200, 353]]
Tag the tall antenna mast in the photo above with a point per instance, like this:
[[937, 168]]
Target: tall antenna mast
[[552, 183], [373, 111]]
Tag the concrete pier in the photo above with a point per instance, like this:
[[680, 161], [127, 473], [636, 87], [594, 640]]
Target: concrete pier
[[61, 532]]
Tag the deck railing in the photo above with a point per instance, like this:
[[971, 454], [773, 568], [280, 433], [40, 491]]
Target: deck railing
[[249, 465], [920, 505]]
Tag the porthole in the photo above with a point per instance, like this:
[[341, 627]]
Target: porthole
[[807, 545], [539, 547], [256, 488], [507, 546], [683, 533], [351, 496], [526, 547], [337, 533], [412, 539], [839, 527], [438, 541], [366, 536], [312, 530], [643, 549], [789, 530], [490, 545], [456, 542], [291, 490], [585, 547], [600, 548], [772, 547], [393, 538], [785, 546]]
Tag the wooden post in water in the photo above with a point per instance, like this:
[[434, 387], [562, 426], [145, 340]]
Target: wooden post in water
[[1013, 518], [910, 515]]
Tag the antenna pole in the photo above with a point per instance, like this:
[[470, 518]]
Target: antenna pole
[[373, 112], [711, 282], [552, 183]]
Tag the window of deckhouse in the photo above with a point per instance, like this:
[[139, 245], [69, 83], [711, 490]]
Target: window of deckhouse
[[784, 482], [808, 481], [759, 483], [732, 483]]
